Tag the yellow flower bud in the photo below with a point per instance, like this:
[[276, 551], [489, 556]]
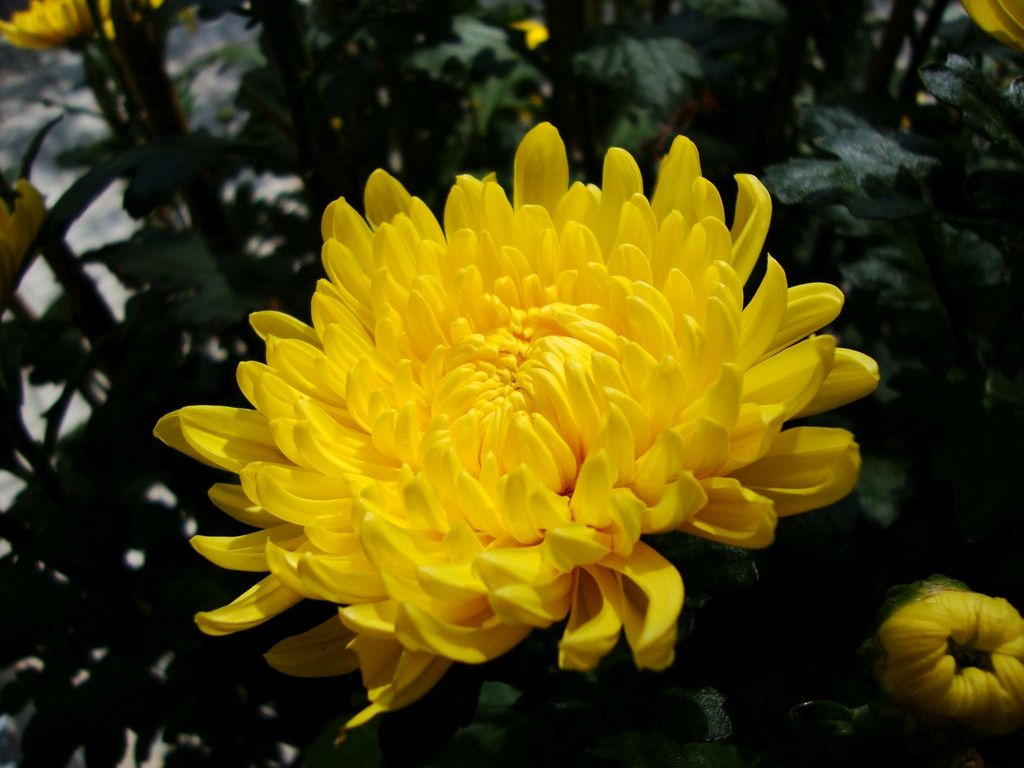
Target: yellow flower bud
[[18, 228], [951, 655]]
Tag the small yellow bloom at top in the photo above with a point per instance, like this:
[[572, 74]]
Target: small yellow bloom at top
[[536, 32], [18, 228], [955, 656], [1002, 19], [54, 23]]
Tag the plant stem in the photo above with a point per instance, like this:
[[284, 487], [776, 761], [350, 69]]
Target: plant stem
[[319, 156], [787, 83], [900, 24], [139, 56], [919, 50], [87, 305], [565, 19], [14, 428]]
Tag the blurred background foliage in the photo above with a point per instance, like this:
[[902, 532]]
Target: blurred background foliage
[[891, 135]]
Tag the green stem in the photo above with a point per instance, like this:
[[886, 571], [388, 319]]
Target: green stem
[[96, 77], [87, 305], [900, 24], [338, 42], [565, 19], [919, 50], [139, 54], [319, 155], [787, 83], [19, 437]]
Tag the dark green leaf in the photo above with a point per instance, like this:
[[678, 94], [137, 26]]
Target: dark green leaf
[[880, 488], [998, 116], [889, 273], [996, 192], [829, 717], [160, 171], [153, 171], [29, 158], [876, 176], [765, 11], [653, 70], [474, 39], [180, 267], [358, 750]]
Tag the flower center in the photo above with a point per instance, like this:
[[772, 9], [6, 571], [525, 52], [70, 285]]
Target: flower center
[[967, 655]]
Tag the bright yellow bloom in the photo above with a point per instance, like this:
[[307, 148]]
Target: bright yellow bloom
[[18, 228], [535, 31], [53, 23], [954, 655], [1003, 19], [485, 417]]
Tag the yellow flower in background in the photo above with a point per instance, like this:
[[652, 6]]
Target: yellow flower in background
[[1002, 19], [53, 23], [535, 31], [954, 655], [486, 416], [18, 228]]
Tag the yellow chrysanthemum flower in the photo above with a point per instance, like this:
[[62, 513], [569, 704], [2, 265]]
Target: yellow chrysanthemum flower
[[53, 23], [954, 655], [485, 418], [536, 32], [1002, 19], [18, 228]]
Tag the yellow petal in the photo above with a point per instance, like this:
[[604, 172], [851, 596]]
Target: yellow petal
[[853, 375], [421, 631], [385, 198], [809, 308], [791, 378], [263, 601], [247, 552], [282, 326], [621, 181], [341, 579], [733, 515], [536, 605], [594, 625], [652, 597], [228, 438], [298, 496], [318, 652], [573, 544], [591, 499], [371, 620], [231, 500], [679, 502], [750, 224], [806, 468], [541, 169], [763, 316], [674, 189]]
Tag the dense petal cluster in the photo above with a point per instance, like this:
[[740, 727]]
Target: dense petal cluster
[[955, 655], [53, 23], [18, 228], [1003, 19], [486, 416]]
